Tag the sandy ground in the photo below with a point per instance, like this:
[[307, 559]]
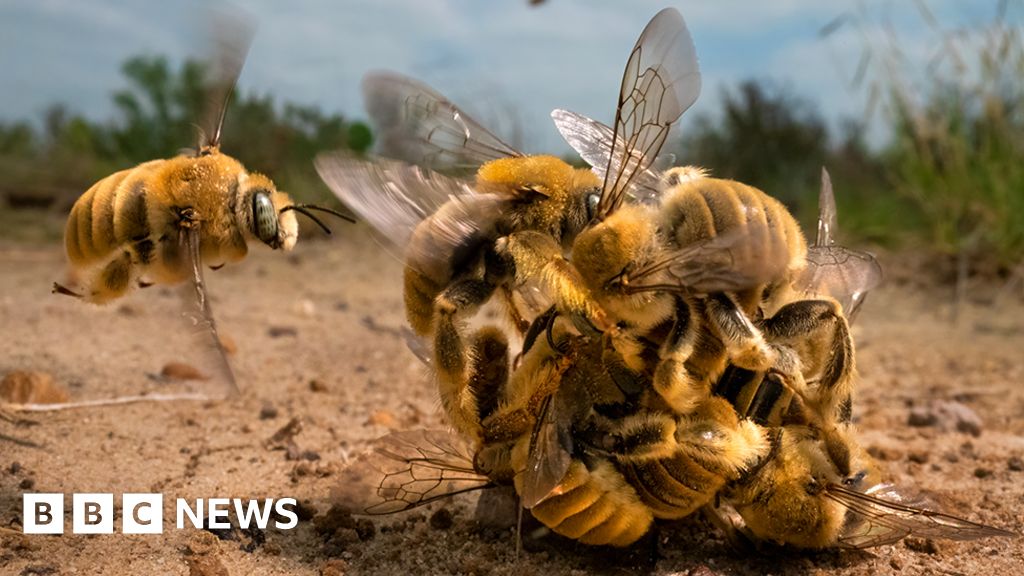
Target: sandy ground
[[317, 340]]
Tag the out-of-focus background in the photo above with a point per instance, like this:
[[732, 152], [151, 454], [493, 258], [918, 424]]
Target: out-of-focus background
[[914, 106]]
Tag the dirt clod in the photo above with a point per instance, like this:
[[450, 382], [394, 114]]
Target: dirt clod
[[921, 545], [1015, 464], [982, 472], [333, 567], [441, 519], [281, 331], [316, 385], [268, 412], [182, 371], [21, 387], [383, 418]]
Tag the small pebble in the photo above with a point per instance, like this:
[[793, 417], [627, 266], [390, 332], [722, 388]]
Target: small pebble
[[182, 371], [982, 472], [441, 519], [918, 457], [279, 331], [1015, 464], [268, 412], [27, 483], [922, 545], [920, 418], [316, 385]]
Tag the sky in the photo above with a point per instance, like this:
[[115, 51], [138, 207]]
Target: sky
[[503, 59]]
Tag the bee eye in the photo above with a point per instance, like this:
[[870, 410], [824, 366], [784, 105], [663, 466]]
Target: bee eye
[[855, 480], [593, 199], [264, 218]]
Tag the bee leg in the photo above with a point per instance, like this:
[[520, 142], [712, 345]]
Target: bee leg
[[453, 369], [818, 334], [489, 369], [744, 343], [681, 387], [739, 538], [521, 324], [534, 382], [59, 288], [644, 436], [534, 256], [113, 280]]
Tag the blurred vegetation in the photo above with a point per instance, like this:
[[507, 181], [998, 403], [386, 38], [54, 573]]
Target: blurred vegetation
[[45, 170], [949, 178]]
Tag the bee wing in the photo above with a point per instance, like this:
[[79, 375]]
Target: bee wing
[[883, 516], [395, 197], [661, 80], [842, 273], [232, 32], [826, 211], [735, 260], [197, 311], [407, 469], [592, 140], [550, 453], [417, 124]]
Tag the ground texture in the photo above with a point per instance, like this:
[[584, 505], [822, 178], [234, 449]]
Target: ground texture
[[320, 359]]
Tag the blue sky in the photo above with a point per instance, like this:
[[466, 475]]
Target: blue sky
[[500, 58]]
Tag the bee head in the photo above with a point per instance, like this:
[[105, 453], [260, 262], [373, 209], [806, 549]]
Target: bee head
[[268, 214], [261, 211], [787, 502], [554, 195], [605, 253]]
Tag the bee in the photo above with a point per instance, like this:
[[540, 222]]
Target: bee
[[448, 227], [577, 494], [834, 276], [819, 489], [161, 221]]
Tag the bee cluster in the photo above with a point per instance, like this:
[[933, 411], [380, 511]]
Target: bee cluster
[[673, 345]]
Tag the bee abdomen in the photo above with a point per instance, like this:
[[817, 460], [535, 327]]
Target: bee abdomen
[[673, 487], [112, 213], [598, 507]]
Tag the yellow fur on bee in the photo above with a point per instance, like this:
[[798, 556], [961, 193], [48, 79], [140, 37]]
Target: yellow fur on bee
[[543, 173]]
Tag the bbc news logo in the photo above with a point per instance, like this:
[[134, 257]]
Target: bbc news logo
[[43, 513]]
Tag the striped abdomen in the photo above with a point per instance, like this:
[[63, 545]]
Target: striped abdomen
[[596, 506], [111, 214]]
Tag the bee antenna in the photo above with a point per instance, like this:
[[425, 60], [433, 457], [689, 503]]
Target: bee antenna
[[307, 208]]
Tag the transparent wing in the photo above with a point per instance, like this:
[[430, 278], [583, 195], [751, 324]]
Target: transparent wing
[[407, 469], [417, 124], [550, 452], [395, 198], [232, 32], [842, 273], [741, 258], [882, 516], [198, 313], [832, 270], [592, 140], [826, 211], [661, 80]]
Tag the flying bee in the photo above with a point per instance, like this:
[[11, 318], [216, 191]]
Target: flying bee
[[161, 221]]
